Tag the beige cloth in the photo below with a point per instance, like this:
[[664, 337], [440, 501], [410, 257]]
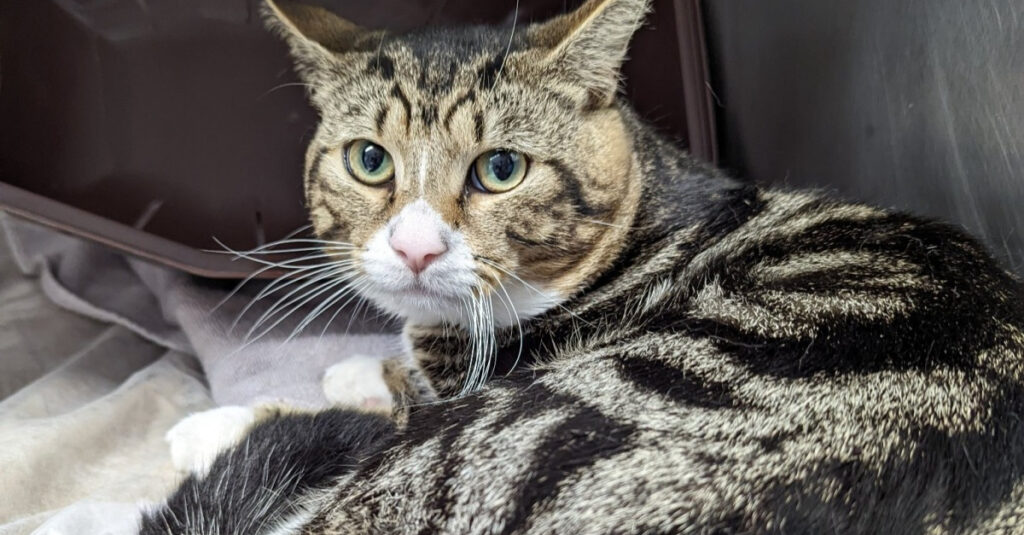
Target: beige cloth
[[85, 403], [84, 406]]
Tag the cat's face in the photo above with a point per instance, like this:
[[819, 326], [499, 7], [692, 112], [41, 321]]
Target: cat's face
[[469, 166]]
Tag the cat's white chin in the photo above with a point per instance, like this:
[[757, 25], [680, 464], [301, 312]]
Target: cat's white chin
[[418, 307], [515, 302]]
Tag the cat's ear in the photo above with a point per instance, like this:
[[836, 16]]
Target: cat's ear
[[317, 37], [587, 47]]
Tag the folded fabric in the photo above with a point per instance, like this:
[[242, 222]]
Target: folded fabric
[[86, 397], [180, 312]]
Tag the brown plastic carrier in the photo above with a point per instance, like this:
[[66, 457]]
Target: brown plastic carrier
[[155, 126]]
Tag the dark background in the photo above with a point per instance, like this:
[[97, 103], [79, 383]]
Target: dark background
[[914, 104], [182, 121]]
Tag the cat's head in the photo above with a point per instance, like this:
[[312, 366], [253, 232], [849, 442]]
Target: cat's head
[[469, 165]]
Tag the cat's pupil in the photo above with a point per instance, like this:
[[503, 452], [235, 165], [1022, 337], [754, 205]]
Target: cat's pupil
[[502, 165], [373, 157]]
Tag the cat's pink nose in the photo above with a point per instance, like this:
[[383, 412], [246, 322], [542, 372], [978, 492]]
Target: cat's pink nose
[[417, 246]]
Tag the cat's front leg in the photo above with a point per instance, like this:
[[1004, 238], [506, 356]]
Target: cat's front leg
[[358, 382], [388, 386], [272, 475], [197, 440], [200, 438]]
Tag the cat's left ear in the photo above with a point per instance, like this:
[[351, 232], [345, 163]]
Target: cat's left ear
[[318, 38], [586, 47]]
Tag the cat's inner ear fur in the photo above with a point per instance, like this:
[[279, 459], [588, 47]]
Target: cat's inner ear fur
[[318, 38], [586, 47]]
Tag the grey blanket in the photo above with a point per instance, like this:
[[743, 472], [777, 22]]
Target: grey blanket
[[101, 354]]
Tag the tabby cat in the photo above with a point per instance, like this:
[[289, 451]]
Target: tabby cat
[[605, 335]]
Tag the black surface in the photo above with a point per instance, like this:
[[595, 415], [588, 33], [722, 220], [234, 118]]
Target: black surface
[[156, 126], [915, 104]]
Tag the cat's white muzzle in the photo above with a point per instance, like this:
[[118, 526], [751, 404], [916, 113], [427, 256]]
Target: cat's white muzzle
[[418, 268]]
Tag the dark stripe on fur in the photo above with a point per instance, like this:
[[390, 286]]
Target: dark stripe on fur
[[442, 493], [436, 87], [488, 74], [382, 116], [381, 65], [406, 105], [428, 114], [568, 450], [574, 190], [478, 127], [523, 240], [682, 386], [469, 97], [964, 474], [314, 167]]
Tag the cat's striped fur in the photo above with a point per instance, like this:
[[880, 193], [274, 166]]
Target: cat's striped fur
[[749, 361]]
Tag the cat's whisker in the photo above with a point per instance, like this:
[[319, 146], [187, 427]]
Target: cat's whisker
[[282, 86], [358, 283], [346, 289], [471, 331], [508, 47], [321, 308], [238, 287], [325, 252], [288, 300], [234, 291], [327, 325], [243, 255], [380, 45], [284, 302], [269, 246], [296, 305], [478, 347], [295, 269], [307, 239], [514, 314], [283, 282], [265, 257], [492, 352], [291, 235], [361, 305], [323, 248], [482, 342], [484, 352], [602, 223], [306, 261], [497, 266]]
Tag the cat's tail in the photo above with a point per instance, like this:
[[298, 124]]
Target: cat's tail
[[268, 480]]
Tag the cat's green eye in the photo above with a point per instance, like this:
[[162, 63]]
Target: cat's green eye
[[369, 163], [498, 171]]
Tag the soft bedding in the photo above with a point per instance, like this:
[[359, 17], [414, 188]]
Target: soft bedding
[[100, 355]]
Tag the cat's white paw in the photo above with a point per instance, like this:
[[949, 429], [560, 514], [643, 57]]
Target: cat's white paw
[[198, 438], [358, 382]]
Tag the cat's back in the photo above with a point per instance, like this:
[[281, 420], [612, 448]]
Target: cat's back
[[821, 366], [840, 367]]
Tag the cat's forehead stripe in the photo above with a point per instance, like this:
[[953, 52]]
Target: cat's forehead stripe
[[478, 126], [397, 93], [381, 65], [437, 66]]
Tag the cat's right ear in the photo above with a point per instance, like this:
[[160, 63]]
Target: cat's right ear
[[318, 38]]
